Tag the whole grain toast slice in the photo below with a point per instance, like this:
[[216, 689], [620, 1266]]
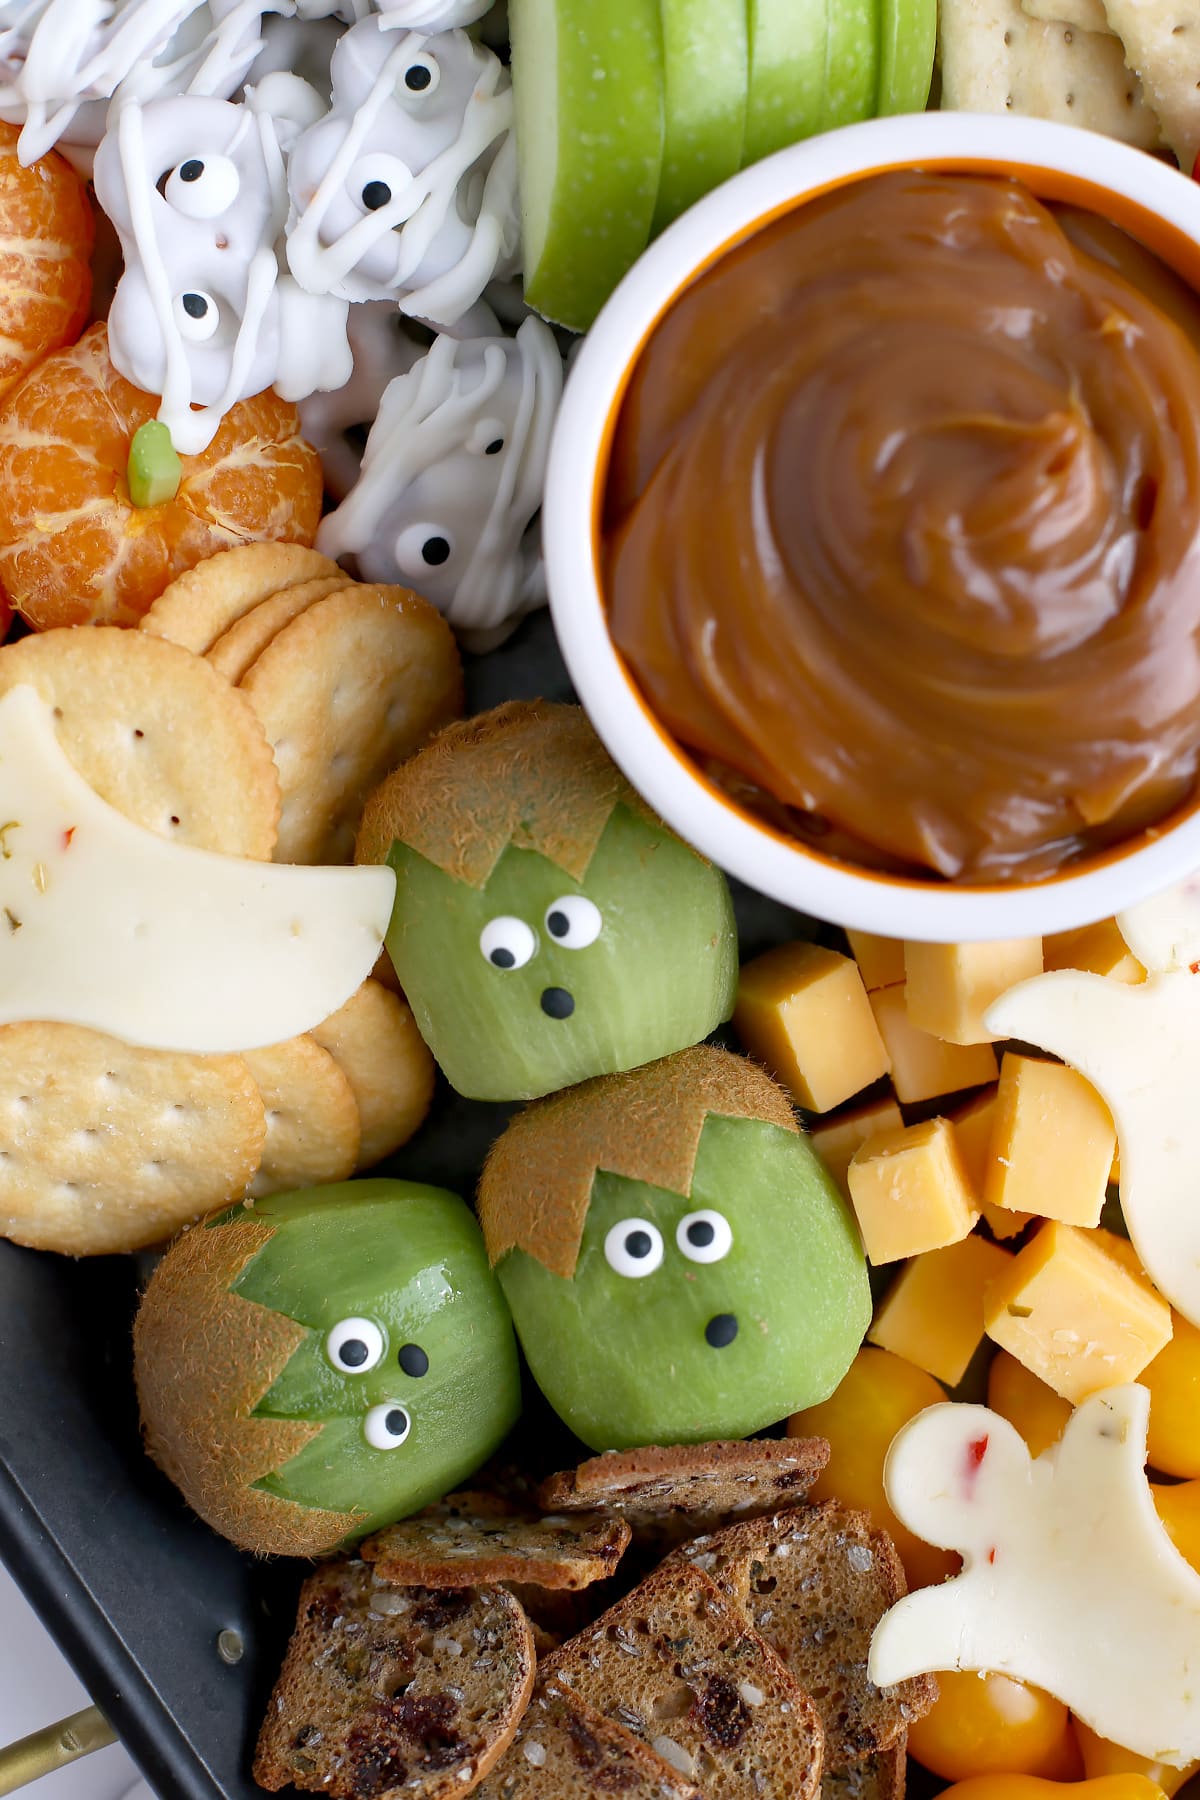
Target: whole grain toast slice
[[675, 1663], [815, 1581], [390, 1694], [762, 1475], [566, 1750], [456, 1545], [878, 1777]]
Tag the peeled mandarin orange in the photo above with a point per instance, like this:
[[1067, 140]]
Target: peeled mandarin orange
[[74, 550], [45, 258]]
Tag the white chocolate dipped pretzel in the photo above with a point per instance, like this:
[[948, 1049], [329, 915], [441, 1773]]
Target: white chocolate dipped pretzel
[[406, 190], [452, 479], [202, 316]]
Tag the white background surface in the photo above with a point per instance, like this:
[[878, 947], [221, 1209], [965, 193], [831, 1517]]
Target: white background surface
[[37, 1688]]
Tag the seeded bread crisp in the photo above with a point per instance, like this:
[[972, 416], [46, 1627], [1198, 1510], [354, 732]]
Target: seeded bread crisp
[[878, 1777], [674, 1663], [565, 1750], [447, 1546], [713, 1480], [815, 1582], [395, 1695]]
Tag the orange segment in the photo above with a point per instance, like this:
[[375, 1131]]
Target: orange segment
[[46, 233], [73, 548]]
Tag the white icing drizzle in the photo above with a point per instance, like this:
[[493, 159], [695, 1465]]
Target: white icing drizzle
[[382, 349], [443, 155], [427, 477]]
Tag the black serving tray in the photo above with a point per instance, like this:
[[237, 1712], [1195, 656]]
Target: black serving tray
[[134, 1588]]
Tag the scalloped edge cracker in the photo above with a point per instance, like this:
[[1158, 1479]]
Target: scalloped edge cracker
[[996, 59], [1084, 15], [1161, 40]]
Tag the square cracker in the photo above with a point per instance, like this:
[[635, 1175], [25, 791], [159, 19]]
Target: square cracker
[[996, 59], [1162, 43]]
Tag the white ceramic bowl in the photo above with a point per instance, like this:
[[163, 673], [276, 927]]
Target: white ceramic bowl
[[1154, 202]]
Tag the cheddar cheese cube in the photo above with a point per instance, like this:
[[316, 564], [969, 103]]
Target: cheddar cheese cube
[[973, 1130], [932, 1314], [880, 960], [910, 1192], [1098, 949], [840, 1137], [949, 987], [804, 1012], [1052, 1143], [923, 1066], [1076, 1309]]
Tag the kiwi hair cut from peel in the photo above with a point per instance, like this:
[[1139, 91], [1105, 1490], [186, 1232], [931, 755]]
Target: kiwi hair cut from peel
[[536, 1185], [203, 1358], [531, 773]]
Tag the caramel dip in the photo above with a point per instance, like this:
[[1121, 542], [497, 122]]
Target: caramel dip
[[901, 534]]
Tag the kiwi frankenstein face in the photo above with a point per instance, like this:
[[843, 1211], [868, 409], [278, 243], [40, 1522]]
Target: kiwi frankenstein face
[[362, 1362], [707, 1307], [546, 927]]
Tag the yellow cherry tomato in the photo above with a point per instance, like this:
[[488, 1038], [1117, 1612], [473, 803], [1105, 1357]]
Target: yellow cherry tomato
[[1179, 1509], [878, 1394], [1031, 1787], [1019, 1396], [992, 1725], [1102, 1758], [1174, 1382]]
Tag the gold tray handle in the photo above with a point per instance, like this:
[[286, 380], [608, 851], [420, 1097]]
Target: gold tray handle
[[53, 1748]]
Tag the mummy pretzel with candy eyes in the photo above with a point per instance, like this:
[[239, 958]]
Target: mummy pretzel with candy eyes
[[203, 315], [406, 190]]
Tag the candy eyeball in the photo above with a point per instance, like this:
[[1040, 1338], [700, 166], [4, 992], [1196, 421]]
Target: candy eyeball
[[355, 1346], [376, 180], [634, 1248], [422, 76], [507, 943], [197, 316], [487, 437], [704, 1237], [202, 187], [386, 1426], [422, 547], [574, 921]]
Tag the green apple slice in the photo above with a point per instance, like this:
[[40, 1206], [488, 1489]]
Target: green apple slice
[[706, 66], [787, 74], [851, 62], [907, 40], [588, 86]]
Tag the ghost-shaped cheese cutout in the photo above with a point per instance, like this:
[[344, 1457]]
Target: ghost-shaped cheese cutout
[[197, 192], [1070, 1580], [406, 190], [314, 1368], [1140, 1047], [452, 478], [105, 924]]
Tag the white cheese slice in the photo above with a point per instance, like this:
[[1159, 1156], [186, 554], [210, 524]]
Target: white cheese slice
[[106, 924], [1140, 1046], [1164, 931], [1070, 1580]]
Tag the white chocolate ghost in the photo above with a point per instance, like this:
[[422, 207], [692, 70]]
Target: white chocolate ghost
[[337, 424], [108, 925], [1070, 1582], [452, 477], [406, 190], [405, 15], [203, 315], [1140, 1047]]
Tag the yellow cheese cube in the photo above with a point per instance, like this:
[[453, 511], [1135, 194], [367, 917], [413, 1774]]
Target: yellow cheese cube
[[880, 960], [1114, 1174], [1099, 949], [949, 987], [804, 1012], [973, 1130], [1076, 1309], [840, 1138], [923, 1067], [932, 1314], [910, 1192], [1052, 1143]]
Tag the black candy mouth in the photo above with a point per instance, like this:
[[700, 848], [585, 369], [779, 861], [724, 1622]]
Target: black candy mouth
[[557, 1003], [721, 1330]]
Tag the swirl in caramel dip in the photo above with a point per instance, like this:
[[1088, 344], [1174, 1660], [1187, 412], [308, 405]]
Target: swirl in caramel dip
[[901, 533]]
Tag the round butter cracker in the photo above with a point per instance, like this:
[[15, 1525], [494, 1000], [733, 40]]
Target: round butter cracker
[[203, 602], [345, 693], [312, 1127], [247, 638], [375, 1042], [156, 733], [107, 1148]]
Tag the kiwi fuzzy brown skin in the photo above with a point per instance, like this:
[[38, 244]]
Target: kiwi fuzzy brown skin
[[203, 1358], [536, 1185]]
